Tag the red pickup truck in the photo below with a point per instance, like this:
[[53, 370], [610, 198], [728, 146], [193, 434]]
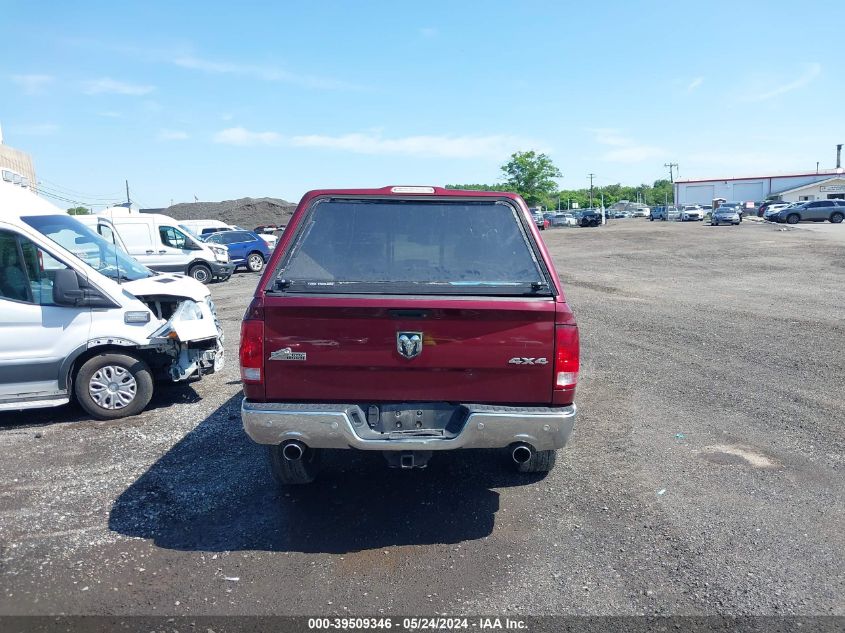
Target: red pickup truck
[[408, 320]]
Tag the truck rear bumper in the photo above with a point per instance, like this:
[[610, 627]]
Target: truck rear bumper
[[345, 426]]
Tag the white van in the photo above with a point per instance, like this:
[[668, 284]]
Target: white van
[[157, 242], [104, 227], [81, 319]]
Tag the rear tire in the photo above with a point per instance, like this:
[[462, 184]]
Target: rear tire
[[540, 462], [294, 473], [201, 272], [112, 386], [255, 262], [836, 218]]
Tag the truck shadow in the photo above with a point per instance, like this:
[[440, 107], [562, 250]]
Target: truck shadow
[[213, 492]]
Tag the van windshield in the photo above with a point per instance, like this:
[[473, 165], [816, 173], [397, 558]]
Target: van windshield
[[412, 246], [89, 246]]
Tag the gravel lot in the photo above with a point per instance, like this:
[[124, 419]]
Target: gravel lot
[[705, 474]]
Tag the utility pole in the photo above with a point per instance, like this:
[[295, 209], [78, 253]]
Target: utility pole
[[817, 166], [128, 201], [603, 214], [671, 166], [591, 176]]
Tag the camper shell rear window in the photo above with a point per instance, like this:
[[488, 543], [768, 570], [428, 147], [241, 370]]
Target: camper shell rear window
[[400, 246]]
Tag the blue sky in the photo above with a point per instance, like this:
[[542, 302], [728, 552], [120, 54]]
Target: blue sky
[[273, 99]]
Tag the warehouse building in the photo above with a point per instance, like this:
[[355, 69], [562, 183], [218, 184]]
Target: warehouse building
[[819, 185]]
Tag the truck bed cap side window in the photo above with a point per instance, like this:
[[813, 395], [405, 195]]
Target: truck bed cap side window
[[427, 247]]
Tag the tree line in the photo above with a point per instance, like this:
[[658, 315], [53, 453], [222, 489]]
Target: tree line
[[533, 175]]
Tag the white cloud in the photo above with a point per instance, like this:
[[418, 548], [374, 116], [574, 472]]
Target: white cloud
[[423, 145], [813, 71], [171, 135], [106, 85], [34, 129], [33, 84], [625, 150], [244, 137], [610, 136], [695, 83], [255, 71], [375, 144]]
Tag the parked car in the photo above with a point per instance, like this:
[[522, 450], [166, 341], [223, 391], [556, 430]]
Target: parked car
[[773, 209], [245, 248], [541, 222], [691, 213], [813, 211], [765, 206], [739, 207], [82, 320], [662, 213], [588, 217], [640, 212], [204, 228], [447, 322], [157, 242], [723, 215], [564, 219]]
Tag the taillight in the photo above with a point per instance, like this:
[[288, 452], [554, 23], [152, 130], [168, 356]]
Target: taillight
[[252, 350], [567, 352]]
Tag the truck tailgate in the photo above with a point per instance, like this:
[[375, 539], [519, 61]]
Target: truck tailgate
[[354, 349]]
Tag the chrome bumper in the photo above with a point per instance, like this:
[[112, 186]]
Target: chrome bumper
[[344, 426]]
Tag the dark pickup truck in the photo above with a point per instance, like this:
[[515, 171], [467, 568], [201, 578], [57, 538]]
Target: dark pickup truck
[[409, 320]]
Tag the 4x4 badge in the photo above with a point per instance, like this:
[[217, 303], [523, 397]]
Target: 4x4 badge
[[528, 361], [409, 344]]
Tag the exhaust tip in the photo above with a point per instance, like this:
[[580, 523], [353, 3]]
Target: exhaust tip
[[293, 451], [522, 453]]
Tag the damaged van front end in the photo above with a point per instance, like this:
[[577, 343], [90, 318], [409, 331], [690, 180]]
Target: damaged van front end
[[186, 338]]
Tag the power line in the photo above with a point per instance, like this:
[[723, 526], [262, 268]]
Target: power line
[[68, 190], [43, 187]]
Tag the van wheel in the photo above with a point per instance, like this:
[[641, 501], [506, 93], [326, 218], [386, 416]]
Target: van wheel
[[201, 273], [793, 218], [111, 386], [292, 473], [540, 462], [836, 218], [255, 262]]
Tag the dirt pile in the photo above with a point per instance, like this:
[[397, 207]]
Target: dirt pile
[[245, 212]]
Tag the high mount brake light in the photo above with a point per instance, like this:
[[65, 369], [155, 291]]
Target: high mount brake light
[[412, 190]]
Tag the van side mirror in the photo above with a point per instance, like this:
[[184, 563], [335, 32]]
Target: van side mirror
[[66, 290]]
